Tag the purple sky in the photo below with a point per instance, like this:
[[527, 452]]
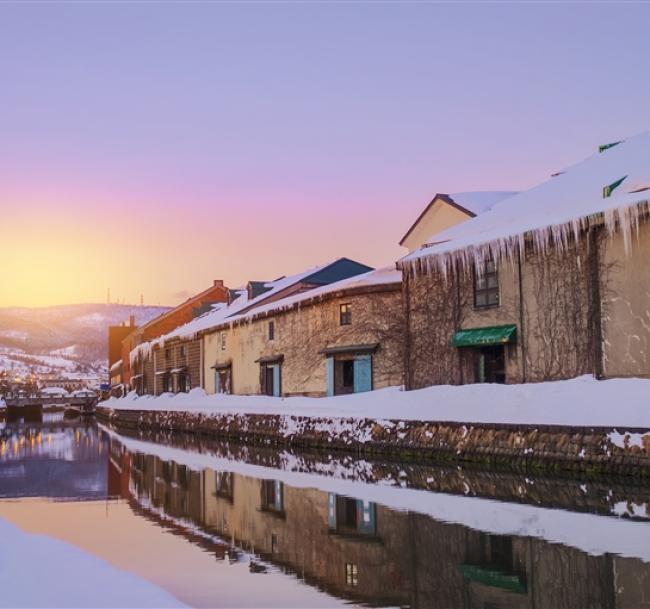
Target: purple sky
[[152, 147]]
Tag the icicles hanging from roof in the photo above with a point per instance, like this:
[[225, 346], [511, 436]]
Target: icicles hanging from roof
[[623, 220]]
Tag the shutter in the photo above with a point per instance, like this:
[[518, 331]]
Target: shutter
[[366, 517], [329, 363], [276, 381], [331, 511], [362, 373]]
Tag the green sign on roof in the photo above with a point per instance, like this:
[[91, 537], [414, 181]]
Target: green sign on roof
[[478, 337]]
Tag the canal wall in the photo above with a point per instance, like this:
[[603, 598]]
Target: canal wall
[[623, 451]]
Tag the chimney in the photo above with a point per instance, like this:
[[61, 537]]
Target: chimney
[[132, 321], [217, 283]]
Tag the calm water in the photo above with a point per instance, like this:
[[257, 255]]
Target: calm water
[[220, 525]]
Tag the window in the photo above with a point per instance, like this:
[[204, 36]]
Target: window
[[168, 353], [271, 330], [224, 484], [486, 286], [166, 382], [351, 574], [223, 341], [272, 495], [182, 350], [345, 314]]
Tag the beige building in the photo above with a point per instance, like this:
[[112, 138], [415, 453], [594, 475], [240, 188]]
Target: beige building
[[445, 211], [487, 301], [345, 337]]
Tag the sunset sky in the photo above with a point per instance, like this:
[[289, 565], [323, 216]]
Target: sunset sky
[[154, 147]]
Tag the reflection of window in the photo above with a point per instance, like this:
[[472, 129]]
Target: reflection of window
[[166, 382], [274, 543], [486, 286], [348, 516], [272, 495], [182, 350], [351, 574], [224, 483], [345, 314]]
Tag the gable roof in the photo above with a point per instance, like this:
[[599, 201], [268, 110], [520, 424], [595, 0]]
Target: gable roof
[[470, 203], [190, 302], [611, 186]]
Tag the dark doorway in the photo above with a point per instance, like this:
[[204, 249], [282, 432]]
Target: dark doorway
[[343, 376], [268, 380], [490, 365]]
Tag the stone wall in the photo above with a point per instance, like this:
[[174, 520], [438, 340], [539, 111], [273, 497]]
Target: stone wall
[[300, 335], [520, 446]]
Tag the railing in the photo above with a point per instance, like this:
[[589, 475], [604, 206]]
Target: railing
[[84, 403]]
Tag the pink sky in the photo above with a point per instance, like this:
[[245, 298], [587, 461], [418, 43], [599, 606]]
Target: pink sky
[[152, 148]]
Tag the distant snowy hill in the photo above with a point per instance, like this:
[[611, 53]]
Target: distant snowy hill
[[66, 337]]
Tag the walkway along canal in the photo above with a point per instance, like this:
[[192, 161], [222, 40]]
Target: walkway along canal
[[219, 524]]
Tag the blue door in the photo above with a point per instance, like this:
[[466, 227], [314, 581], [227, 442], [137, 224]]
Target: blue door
[[277, 378], [329, 375], [362, 373]]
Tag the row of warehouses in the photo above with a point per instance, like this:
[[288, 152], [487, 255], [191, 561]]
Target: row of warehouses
[[502, 287]]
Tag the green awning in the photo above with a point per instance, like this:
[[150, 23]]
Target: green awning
[[494, 578], [477, 337]]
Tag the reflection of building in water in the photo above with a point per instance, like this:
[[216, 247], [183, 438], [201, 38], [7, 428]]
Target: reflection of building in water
[[369, 553]]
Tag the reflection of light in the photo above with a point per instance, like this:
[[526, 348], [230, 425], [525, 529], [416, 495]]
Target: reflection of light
[[3, 448]]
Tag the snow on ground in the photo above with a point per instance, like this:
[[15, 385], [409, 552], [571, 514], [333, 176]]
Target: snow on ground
[[582, 401], [593, 534], [38, 571]]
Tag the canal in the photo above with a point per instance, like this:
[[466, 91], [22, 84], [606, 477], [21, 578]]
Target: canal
[[221, 525]]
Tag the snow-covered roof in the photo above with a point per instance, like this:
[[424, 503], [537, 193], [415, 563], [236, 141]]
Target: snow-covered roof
[[551, 211], [377, 277], [242, 308], [480, 201]]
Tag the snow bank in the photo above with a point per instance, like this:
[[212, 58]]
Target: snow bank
[[593, 534], [38, 571], [582, 401]]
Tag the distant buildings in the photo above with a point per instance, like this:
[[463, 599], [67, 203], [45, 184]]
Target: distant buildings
[[498, 287]]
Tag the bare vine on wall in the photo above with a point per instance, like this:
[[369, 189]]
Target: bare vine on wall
[[435, 311], [563, 316]]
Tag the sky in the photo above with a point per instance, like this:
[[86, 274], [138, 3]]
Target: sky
[[152, 147]]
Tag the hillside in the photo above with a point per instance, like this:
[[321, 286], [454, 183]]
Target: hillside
[[63, 337]]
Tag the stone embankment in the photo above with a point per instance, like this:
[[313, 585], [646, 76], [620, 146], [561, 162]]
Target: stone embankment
[[623, 451]]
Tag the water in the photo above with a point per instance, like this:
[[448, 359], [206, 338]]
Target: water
[[221, 525]]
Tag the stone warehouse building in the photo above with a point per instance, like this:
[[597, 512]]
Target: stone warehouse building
[[256, 343], [549, 284], [344, 337], [183, 313]]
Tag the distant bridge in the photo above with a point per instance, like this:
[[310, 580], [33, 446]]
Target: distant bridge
[[85, 404]]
